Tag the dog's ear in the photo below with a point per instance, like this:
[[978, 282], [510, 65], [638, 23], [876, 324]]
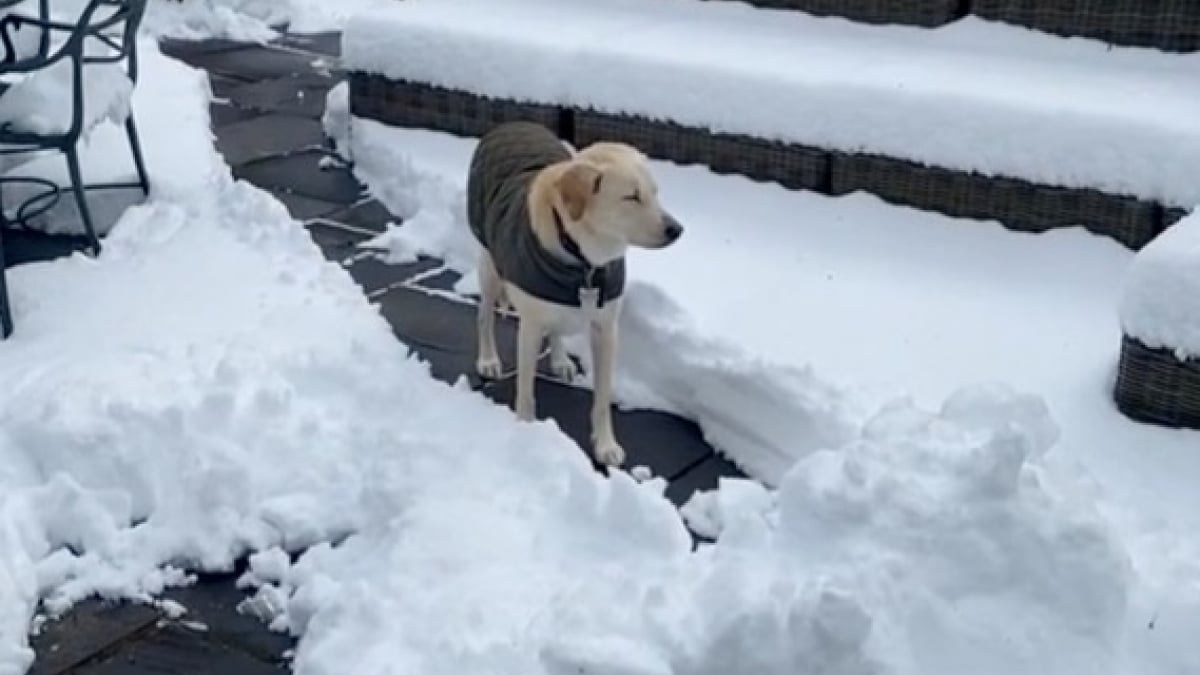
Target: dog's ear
[[576, 186]]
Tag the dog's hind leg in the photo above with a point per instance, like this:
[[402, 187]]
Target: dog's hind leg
[[530, 332], [491, 289], [560, 361]]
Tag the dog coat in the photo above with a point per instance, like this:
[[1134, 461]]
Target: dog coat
[[503, 167]]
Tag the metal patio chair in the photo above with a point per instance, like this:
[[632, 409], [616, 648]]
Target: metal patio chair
[[110, 24]]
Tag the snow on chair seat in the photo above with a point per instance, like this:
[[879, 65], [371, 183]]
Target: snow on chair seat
[[39, 102], [982, 99], [1159, 374]]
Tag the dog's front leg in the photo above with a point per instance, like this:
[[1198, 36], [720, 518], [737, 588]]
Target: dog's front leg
[[604, 351], [491, 289], [529, 345]]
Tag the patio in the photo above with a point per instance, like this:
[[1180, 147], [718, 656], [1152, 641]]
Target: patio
[[218, 454], [267, 124]]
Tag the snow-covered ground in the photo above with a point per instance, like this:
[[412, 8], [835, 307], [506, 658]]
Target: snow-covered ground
[[211, 386], [788, 316]]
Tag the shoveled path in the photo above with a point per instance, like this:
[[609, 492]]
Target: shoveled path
[[267, 123]]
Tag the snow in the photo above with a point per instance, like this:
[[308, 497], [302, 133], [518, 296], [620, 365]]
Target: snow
[[211, 387], [972, 95], [1160, 305], [885, 304], [248, 20], [35, 103]]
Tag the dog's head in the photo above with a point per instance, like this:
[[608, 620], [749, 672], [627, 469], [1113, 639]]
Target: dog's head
[[609, 194]]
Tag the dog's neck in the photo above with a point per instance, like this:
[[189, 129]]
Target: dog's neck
[[591, 251]]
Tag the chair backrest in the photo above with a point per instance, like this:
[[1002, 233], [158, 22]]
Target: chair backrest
[[126, 16], [114, 23]]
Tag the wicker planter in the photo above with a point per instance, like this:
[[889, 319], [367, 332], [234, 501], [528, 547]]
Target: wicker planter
[[1172, 25], [1155, 386], [412, 104], [1173, 215], [914, 12], [793, 166], [1019, 205]]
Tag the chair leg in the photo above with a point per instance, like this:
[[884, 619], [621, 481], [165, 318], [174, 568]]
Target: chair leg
[[81, 199], [6, 321], [136, 147]]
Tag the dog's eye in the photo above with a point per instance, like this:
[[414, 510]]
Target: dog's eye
[[635, 197]]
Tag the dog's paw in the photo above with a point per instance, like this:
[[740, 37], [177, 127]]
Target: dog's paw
[[609, 453], [564, 369], [489, 369]]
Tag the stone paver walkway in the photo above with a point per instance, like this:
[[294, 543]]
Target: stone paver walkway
[[267, 124]]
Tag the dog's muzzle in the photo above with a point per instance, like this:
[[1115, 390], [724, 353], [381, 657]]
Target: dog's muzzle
[[672, 230]]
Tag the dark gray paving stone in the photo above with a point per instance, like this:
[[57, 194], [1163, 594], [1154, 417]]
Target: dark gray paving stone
[[303, 208], [221, 86], [702, 476], [665, 443], [427, 320], [294, 94], [174, 648], [252, 62], [329, 44], [442, 281], [301, 173], [336, 243], [91, 628], [223, 114], [446, 366], [214, 602], [268, 136], [184, 49], [369, 215], [373, 274]]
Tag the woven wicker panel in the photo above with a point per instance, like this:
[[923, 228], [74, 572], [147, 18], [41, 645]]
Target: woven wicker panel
[[1173, 215], [792, 166], [1155, 386], [1172, 25], [913, 12], [1017, 204], [411, 104]]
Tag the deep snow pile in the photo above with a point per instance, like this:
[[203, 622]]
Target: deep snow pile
[[973, 95], [1161, 301], [932, 544]]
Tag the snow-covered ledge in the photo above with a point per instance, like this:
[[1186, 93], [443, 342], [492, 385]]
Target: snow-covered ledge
[[1158, 379], [1160, 306], [992, 99]]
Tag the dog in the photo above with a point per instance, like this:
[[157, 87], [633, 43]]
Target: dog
[[554, 228]]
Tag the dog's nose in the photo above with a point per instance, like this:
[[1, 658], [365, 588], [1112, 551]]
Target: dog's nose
[[672, 230]]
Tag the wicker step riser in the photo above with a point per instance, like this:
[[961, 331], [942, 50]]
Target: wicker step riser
[[1170, 25], [1018, 204]]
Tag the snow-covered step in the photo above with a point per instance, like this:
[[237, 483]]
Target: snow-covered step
[[976, 118]]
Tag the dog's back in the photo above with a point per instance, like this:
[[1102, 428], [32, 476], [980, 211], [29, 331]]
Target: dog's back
[[505, 162]]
